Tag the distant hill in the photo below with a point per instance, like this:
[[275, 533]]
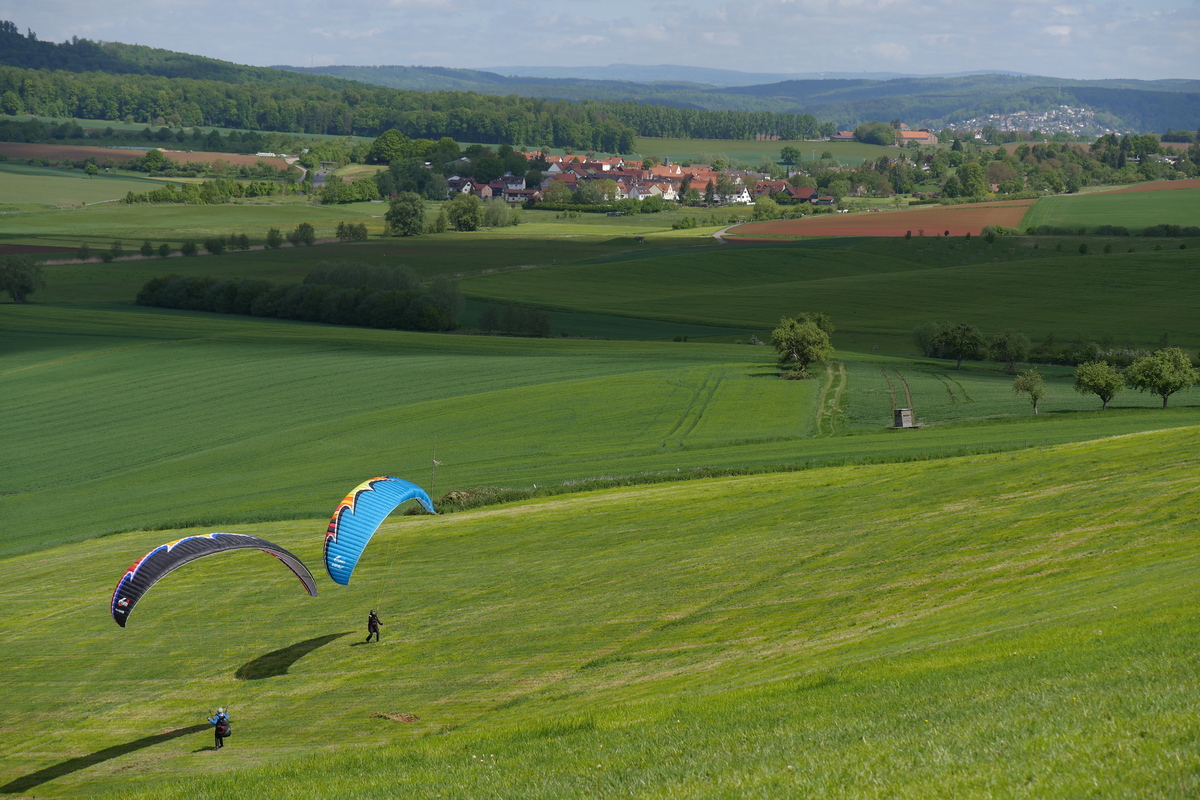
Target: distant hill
[[933, 101], [676, 73], [84, 55]]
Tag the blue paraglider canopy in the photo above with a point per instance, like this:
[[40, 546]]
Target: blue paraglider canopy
[[359, 516]]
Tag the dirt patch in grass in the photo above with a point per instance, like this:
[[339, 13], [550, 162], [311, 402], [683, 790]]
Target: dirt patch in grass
[[61, 152], [406, 718], [932, 220]]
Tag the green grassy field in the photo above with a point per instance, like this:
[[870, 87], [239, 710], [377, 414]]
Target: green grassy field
[[1008, 625], [1133, 210], [99, 400]]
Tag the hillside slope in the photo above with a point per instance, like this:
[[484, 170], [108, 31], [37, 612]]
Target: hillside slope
[[1016, 624]]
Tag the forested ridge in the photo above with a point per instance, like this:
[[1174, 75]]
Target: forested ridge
[[89, 80], [932, 101], [112, 81]]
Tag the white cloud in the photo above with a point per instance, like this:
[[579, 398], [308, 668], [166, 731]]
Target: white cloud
[[1091, 38], [891, 51]]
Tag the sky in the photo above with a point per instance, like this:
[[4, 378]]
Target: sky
[[1146, 39]]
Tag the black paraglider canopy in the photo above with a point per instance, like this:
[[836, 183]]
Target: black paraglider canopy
[[155, 565]]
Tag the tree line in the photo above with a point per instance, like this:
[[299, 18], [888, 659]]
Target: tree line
[[338, 293]]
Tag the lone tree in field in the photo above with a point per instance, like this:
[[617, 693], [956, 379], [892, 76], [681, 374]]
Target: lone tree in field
[[1010, 347], [1164, 373], [406, 214], [1030, 382], [1099, 378], [958, 341], [20, 276], [799, 343]]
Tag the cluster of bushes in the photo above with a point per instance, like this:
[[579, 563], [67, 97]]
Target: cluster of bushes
[[1171, 230], [685, 224], [584, 208], [339, 293], [212, 192], [1113, 230], [350, 232], [989, 198], [515, 320], [962, 341], [335, 190]]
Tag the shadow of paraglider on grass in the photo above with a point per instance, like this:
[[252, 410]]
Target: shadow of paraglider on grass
[[277, 662], [23, 784]]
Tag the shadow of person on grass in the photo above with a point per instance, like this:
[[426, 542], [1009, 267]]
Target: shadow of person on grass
[[277, 662], [23, 784]]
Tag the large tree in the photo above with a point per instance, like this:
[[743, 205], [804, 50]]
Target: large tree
[[800, 343], [20, 276], [1164, 373], [1009, 346], [406, 214], [1099, 378], [464, 212], [971, 175], [789, 154], [1030, 382], [958, 340]]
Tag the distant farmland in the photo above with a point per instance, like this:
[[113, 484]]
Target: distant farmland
[[62, 152], [932, 220]]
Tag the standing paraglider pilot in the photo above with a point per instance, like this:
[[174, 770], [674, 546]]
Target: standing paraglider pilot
[[373, 624], [222, 729]]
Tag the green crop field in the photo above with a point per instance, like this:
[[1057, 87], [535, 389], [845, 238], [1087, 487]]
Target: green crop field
[[1001, 625], [1132, 210], [27, 188], [751, 152], [173, 223], [118, 125], [878, 292]]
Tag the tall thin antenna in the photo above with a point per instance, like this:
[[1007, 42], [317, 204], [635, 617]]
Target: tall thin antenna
[[433, 472]]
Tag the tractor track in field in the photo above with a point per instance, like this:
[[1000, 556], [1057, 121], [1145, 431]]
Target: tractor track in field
[[703, 394], [830, 414]]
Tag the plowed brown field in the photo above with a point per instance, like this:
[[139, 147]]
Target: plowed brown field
[[73, 152], [1158, 186], [932, 220]]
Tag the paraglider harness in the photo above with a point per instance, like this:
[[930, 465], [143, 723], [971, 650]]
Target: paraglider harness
[[224, 729]]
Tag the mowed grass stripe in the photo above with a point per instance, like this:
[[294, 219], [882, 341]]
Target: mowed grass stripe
[[964, 599]]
